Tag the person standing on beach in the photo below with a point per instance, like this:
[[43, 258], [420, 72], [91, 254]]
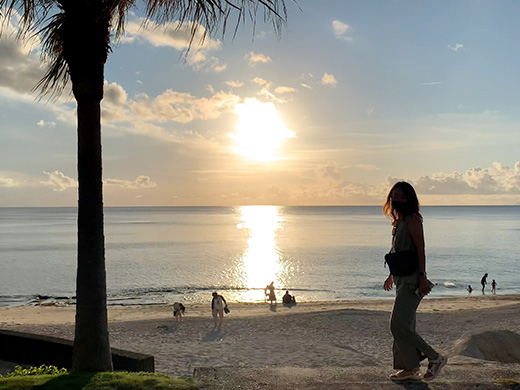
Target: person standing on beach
[[470, 289], [494, 287], [483, 282], [218, 303], [409, 348], [272, 296]]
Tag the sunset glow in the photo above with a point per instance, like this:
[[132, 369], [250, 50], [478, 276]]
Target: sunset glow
[[259, 131]]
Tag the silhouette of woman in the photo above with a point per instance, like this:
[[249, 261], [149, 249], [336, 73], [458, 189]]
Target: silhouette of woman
[[402, 208]]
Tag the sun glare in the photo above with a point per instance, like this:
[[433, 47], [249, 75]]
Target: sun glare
[[259, 131], [261, 260]]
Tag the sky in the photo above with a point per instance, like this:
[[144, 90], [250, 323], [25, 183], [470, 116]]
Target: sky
[[350, 98]]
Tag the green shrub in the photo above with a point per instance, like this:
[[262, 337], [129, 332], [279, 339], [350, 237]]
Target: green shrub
[[98, 381], [42, 370]]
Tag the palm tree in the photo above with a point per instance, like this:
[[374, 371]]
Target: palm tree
[[76, 36]]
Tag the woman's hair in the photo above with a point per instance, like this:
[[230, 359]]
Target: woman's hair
[[412, 201]]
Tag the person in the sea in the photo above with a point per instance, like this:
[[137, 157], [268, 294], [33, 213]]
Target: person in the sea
[[272, 296], [483, 282], [494, 287], [218, 304], [178, 311], [470, 289], [409, 348]]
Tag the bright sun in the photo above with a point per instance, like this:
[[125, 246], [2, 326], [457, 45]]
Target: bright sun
[[260, 130]]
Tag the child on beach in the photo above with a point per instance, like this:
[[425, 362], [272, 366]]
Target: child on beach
[[402, 208], [178, 311], [494, 287]]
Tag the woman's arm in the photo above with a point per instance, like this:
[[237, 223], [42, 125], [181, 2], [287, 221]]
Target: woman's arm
[[416, 230], [415, 227]]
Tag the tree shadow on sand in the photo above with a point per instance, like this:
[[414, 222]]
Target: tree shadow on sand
[[214, 335], [71, 381], [413, 385], [171, 329]]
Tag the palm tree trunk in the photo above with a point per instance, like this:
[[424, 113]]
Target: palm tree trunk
[[86, 32], [91, 341]]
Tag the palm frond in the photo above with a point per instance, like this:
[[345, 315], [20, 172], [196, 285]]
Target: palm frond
[[57, 75], [33, 14], [213, 14]]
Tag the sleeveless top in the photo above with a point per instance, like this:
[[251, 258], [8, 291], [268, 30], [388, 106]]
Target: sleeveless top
[[402, 240], [218, 303]]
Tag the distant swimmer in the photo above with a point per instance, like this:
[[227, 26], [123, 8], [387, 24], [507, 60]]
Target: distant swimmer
[[494, 287], [483, 282], [470, 289]]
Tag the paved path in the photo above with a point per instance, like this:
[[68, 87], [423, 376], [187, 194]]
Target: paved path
[[480, 375]]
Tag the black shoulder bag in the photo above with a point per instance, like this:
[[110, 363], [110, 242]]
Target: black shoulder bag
[[402, 263]]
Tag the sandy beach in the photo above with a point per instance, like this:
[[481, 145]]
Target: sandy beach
[[310, 335]]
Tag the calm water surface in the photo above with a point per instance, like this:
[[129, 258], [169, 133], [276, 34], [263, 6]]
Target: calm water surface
[[161, 255]]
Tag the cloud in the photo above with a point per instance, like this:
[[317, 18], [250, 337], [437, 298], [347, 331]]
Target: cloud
[[432, 83], [139, 182], [8, 182], [257, 58], [329, 170], [42, 123], [234, 84], [266, 93], [341, 30], [114, 94], [170, 106], [303, 85], [20, 67], [178, 36], [499, 179], [457, 47], [58, 181], [172, 34], [329, 79], [259, 81], [282, 89]]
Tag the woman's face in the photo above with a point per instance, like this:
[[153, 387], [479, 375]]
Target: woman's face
[[398, 195]]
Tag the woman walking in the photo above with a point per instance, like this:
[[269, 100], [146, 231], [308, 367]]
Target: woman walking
[[402, 208]]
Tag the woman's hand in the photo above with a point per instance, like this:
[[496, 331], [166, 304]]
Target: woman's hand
[[424, 286], [389, 283]]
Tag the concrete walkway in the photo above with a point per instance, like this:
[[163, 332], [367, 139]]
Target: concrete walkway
[[479, 375]]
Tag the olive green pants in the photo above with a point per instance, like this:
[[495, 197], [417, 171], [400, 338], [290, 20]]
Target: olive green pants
[[409, 348]]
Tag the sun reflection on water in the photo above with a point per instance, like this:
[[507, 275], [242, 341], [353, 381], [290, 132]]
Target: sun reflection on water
[[260, 263]]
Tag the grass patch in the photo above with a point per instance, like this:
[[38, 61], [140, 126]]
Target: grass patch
[[98, 381], [512, 383]]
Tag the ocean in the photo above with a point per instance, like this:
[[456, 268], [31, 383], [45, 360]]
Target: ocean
[[159, 255]]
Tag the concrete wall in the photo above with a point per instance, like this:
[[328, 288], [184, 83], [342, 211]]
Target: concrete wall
[[33, 349]]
